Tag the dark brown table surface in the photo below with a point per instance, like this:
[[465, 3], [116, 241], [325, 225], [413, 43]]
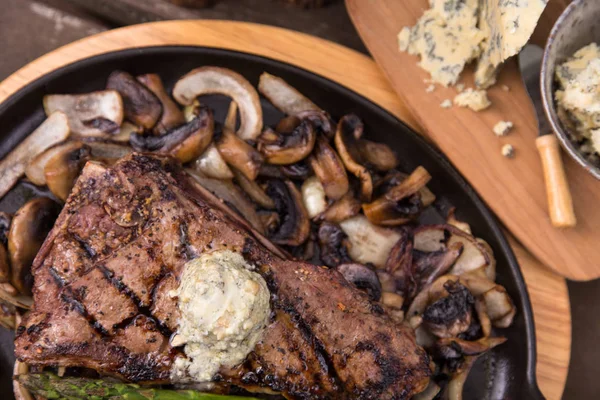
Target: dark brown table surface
[[30, 28]]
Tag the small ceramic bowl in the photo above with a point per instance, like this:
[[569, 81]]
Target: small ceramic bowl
[[577, 27]]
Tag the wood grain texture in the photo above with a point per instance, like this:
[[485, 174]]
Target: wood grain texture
[[513, 188], [548, 291]]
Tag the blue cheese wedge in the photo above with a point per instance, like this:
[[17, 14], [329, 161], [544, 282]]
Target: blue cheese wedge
[[446, 38], [476, 100], [578, 99], [507, 26], [453, 33]]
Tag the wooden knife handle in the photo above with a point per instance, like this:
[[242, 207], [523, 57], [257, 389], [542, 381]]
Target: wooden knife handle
[[560, 203]]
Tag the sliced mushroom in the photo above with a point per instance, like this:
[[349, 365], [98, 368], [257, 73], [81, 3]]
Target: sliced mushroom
[[212, 164], [401, 203], [254, 190], [288, 148], [349, 130], [329, 169], [28, 230], [4, 264], [171, 116], [230, 122], [185, 142], [346, 207], [368, 243], [430, 266], [321, 121], [52, 131], [232, 195], [313, 197], [239, 154], [295, 225], [63, 168], [287, 124], [333, 245], [451, 315], [91, 114], [400, 265], [35, 168], [216, 80], [452, 220], [140, 105], [299, 171], [474, 256], [379, 155], [283, 96], [363, 278]]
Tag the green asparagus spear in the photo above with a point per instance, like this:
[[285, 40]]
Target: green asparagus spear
[[51, 386]]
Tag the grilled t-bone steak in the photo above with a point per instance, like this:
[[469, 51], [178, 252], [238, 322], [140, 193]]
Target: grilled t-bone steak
[[103, 276]]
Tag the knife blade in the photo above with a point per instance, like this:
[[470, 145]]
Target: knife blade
[[560, 203]]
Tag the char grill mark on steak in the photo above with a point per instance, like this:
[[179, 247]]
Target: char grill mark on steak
[[326, 339]]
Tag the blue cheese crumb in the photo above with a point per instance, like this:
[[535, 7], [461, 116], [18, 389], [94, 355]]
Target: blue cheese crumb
[[508, 151], [502, 128], [476, 100], [430, 88], [446, 103]]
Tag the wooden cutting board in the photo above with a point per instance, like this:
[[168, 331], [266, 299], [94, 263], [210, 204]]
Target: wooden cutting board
[[513, 188], [547, 290]]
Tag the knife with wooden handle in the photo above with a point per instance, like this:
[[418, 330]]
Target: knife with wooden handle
[[560, 203]]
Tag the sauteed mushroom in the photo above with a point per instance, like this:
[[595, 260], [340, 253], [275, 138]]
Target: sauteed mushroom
[[401, 203], [171, 116], [333, 245], [342, 209], [53, 130], [91, 114], [283, 96], [63, 168], [185, 142], [349, 131], [329, 169], [140, 105], [363, 278], [28, 229], [216, 80], [288, 148], [239, 154], [321, 121], [295, 225], [450, 315], [35, 168], [379, 155], [108, 152]]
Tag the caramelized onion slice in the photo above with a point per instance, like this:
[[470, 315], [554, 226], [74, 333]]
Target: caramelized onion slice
[[368, 243], [216, 80], [212, 164], [283, 96], [92, 114], [53, 130]]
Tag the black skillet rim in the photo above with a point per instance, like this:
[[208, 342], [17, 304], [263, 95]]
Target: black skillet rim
[[490, 219]]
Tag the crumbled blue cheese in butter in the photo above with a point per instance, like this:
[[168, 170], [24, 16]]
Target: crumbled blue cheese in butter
[[454, 32], [224, 309], [578, 98]]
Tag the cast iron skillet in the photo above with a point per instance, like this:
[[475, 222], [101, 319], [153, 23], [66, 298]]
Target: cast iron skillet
[[506, 373]]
